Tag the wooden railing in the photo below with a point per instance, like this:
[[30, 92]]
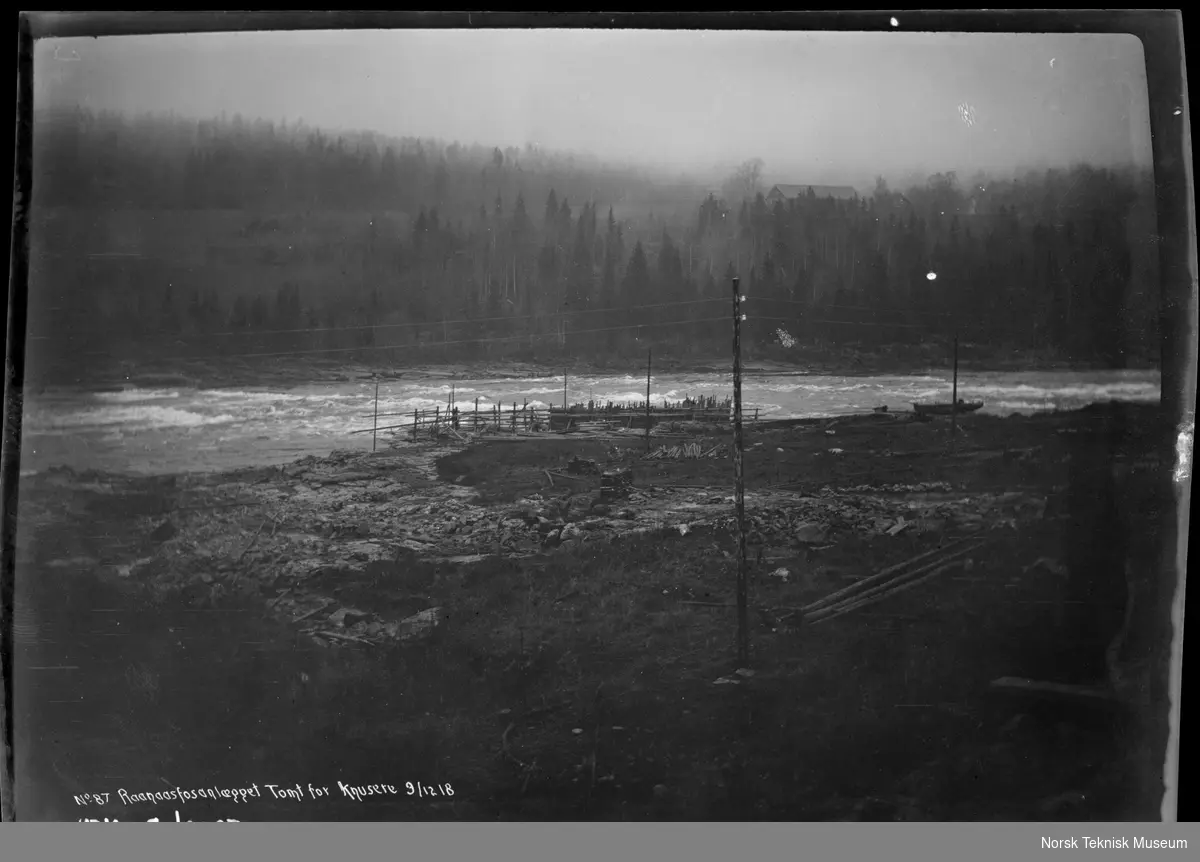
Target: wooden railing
[[519, 419]]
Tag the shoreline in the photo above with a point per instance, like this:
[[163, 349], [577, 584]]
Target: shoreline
[[219, 374]]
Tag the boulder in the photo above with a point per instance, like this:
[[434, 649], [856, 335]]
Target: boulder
[[163, 531], [578, 506], [347, 617], [420, 624], [582, 467], [811, 533]]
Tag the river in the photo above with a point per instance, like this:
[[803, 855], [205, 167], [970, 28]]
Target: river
[[169, 430]]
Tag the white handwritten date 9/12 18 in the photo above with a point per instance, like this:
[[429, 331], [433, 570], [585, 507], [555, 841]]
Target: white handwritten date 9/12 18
[[360, 793], [428, 789]]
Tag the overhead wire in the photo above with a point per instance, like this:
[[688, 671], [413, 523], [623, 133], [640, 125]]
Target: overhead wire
[[435, 344], [465, 320], [524, 336]]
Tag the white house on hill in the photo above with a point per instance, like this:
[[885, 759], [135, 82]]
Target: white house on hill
[[783, 192]]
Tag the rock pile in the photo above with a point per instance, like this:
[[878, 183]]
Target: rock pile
[[279, 536]]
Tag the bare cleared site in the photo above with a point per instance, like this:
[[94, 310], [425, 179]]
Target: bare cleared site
[[526, 610], [490, 620]]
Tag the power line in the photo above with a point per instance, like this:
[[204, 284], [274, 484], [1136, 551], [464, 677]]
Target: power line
[[434, 344], [567, 314], [522, 337], [818, 307], [844, 322], [460, 321]]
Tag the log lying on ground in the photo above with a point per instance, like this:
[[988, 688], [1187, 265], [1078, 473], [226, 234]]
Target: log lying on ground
[[856, 590], [905, 582]]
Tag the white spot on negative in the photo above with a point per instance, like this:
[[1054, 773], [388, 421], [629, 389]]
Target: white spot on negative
[[1183, 453]]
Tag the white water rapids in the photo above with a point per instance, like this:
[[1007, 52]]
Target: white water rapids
[[179, 429]]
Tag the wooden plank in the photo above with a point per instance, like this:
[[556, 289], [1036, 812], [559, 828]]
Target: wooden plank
[[341, 637], [879, 594], [944, 553], [1058, 690]]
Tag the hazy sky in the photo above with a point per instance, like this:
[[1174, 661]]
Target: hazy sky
[[815, 107]]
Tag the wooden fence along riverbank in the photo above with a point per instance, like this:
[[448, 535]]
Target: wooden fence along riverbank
[[522, 419]]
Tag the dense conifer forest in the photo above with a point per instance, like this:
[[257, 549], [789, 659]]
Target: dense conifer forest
[[246, 238]]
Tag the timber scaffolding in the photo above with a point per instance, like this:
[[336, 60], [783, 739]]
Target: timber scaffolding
[[526, 420], [640, 414]]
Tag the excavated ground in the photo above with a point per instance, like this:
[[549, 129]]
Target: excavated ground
[[556, 649]]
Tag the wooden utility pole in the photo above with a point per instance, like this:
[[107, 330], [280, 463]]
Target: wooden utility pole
[[743, 634], [564, 389], [649, 356], [954, 394], [375, 422]]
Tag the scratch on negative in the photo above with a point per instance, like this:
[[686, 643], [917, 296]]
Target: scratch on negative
[[1183, 452]]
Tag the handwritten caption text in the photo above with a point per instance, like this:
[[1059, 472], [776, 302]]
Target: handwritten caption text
[[243, 795]]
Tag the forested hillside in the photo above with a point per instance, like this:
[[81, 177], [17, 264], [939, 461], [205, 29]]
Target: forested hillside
[[157, 236]]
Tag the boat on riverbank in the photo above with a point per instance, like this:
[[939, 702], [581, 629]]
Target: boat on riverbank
[[946, 408]]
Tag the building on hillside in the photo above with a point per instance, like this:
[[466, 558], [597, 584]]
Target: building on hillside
[[784, 192]]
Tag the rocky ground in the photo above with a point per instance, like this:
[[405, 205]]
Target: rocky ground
[[587, 629], [300, 536]]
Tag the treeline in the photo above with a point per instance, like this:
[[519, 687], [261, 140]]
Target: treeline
[[1061, 261], [161, 162], [249, 238]]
